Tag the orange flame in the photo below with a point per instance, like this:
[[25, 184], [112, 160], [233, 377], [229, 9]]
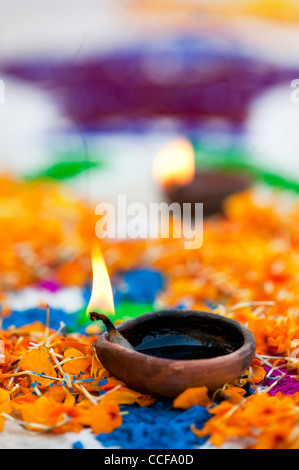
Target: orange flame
[[174, 164], [101, 300]]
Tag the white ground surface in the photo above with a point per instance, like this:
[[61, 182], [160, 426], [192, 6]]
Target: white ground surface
[[16, 437]]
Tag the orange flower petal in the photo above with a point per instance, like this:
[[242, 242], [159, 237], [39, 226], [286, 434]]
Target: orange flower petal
[[105, 417], [77, 361], [234, 394], [126, 396], [37, 360], [258, 374], [4, 395], [1, 423], [192, 396]]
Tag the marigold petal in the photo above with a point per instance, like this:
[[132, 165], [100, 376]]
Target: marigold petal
[[192, 396], [77, 361], [105, 417], [1, 423], [37, 360]]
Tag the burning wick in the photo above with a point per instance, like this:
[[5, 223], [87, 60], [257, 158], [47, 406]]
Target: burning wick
[[114, 334], [102, 298]]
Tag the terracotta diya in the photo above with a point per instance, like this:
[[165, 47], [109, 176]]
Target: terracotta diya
[[174, 171], [163, 353]]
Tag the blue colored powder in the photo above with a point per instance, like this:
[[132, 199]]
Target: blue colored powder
[[25, 317], [139, 286], [157, 427], [142, 285], [77, 445]]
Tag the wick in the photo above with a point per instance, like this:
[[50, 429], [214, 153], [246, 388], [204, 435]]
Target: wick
[[114, 335], [107, 322]]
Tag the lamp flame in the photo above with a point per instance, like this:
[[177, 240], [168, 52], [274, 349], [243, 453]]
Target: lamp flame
[[101, 300], [174, 165]]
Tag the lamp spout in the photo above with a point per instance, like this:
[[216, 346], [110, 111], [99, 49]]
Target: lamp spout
[[114, 335]]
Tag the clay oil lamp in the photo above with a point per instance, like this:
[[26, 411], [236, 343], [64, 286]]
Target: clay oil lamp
[[174, 172], [164, 352]]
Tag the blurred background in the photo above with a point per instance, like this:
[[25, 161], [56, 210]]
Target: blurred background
[[95, 89]]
